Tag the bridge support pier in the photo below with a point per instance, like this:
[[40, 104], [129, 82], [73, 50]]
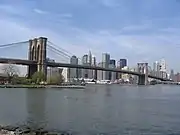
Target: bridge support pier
[[37, 52], [31, 70], [143, 69], [141, 80], [95, 74]]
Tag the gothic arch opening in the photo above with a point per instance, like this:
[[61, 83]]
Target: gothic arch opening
[[38, 53], [33, 52]]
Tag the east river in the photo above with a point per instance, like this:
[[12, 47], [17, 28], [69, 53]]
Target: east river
[[100, 109]]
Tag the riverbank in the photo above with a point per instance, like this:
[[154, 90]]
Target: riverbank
[[24, 130], [43, 86]]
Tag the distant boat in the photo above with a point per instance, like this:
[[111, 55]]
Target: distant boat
[[153, 82], [103, 82]]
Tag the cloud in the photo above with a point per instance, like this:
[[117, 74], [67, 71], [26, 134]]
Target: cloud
[[39, 11], [138, 41], [78, 41]]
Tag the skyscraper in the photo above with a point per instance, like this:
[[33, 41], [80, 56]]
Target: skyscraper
[[163, 65], [100, 72], [93, 61], [89, 58], [156, 68], [112, 75], [94, 64], [90, 72], [73, 72], [84, 72], [163, 68], [105, 64], [122, 63]]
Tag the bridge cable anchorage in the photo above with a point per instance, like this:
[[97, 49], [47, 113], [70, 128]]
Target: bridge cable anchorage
[[59, 54], [13, 44], [59, 48]]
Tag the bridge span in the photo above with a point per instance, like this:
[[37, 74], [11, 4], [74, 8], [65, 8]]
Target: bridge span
[[37, 61]]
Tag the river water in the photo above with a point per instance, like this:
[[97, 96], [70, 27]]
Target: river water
[[105, 109]]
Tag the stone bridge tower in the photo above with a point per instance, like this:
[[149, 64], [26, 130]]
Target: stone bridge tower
[[37, 52], [143, 68]]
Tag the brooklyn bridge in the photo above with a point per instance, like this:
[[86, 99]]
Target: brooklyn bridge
[[37, 60]]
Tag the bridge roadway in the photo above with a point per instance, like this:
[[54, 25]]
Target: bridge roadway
[[52, 64]]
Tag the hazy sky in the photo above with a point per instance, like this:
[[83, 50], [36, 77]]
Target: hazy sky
[[139, 30]]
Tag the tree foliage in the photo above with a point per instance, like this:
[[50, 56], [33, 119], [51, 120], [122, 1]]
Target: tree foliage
[[38, 77], [56, 79]]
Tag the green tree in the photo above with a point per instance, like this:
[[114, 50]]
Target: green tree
[[56, 79], [38, 77]]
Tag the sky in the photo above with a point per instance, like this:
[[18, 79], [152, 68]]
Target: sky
[[139, 30]]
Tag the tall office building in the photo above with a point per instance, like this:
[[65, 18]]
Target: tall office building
[[93, 61], [73, 72], [105, 64], [100, 72], [112, 75], [90, 72], [163, 65], [84, 72], [163, 68], [122, 63], [94, 64], [156, 69], [89, 58], [171, 74]]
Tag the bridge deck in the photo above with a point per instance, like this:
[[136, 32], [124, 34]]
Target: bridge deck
[[17, 61], [52, 64]]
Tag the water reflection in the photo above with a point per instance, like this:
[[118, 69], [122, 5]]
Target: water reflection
[[35, 103], [108, 91]]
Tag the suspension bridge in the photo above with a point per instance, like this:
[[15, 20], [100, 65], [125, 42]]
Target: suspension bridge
[[40, 49]]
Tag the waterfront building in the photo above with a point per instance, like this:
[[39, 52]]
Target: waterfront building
[[125, 77], [65, 74]]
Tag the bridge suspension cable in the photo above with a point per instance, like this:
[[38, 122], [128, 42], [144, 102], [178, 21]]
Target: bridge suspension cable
[[13, 44], [54, 50], [62, 50], [59, 51]]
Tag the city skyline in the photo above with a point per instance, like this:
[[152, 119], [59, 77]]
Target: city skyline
[[139, 31]]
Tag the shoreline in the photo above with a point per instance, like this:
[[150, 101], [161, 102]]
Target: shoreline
[[43, 86], [25, 130]]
